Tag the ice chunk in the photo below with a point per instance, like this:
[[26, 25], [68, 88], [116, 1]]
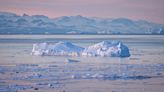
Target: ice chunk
[[39, 48], [71, 61], [60, 48], [104, 48]]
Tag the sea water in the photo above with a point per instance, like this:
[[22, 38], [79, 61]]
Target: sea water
[[19, 70]]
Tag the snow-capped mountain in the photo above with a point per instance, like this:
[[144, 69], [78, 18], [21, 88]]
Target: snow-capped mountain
[[39, 24]]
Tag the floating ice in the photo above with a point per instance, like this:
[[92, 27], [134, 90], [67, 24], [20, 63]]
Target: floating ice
[[104, 48], [71, 61], [60, 48]]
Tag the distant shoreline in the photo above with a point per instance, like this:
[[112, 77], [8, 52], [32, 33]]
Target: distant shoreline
[[73, 34]]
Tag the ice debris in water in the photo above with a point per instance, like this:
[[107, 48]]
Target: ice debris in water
[[71, 61], [104, 48]]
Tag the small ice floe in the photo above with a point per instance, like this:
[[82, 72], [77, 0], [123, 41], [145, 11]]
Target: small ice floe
[[48, 83], [26, 65], [109, 77], [71, 61], [104, 48], [53, 84], [35, 75], [52, 65], [76, 76], [15, 87], [116, 77], [82, 76]]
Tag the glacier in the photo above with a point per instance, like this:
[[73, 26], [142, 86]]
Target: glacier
[[104, 49]]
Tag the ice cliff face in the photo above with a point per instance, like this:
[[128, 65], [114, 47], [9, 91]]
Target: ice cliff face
[[105, 48]]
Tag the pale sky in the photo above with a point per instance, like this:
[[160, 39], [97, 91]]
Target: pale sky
[[151, 10]]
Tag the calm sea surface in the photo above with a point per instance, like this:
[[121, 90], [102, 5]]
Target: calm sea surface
[[143, 71], [143, 48]]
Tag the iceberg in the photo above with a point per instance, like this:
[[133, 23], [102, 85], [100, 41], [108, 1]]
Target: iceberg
[[60, 48], [104, 48]]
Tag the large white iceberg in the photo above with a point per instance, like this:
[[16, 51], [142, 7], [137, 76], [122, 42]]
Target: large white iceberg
[[104, 48], [60, 48]]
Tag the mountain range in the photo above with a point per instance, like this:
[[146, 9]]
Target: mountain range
[[11, 23]]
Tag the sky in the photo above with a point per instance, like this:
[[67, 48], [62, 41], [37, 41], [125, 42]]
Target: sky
[[151, 10]]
